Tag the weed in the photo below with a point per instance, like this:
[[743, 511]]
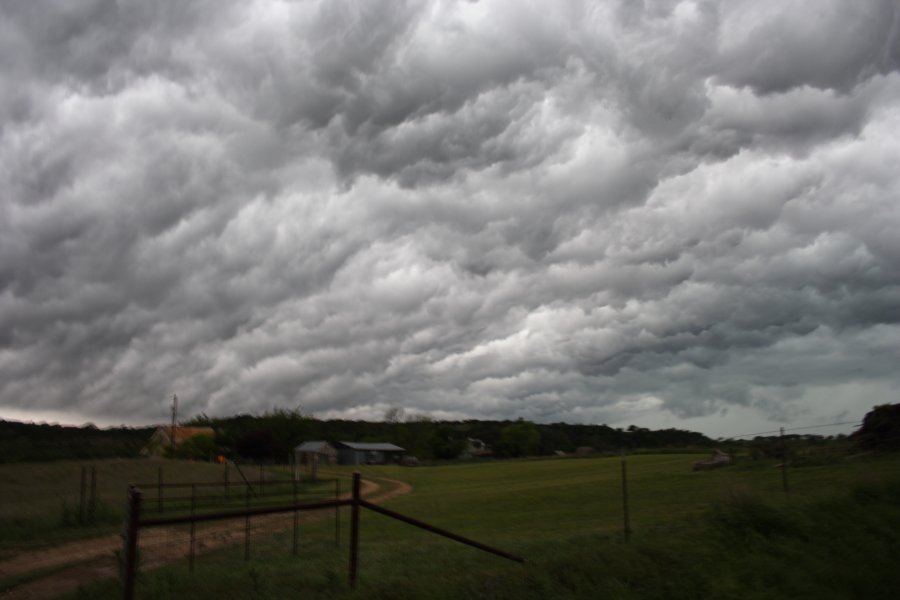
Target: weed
[[747, 515], [259, 588]]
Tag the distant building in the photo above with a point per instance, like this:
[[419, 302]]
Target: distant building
[[357, 453], [163, 439], [312, 454], [321, 451], [475, 448]]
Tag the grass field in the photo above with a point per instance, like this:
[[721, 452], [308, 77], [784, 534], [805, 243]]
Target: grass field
[[565, 517], [518, 501]]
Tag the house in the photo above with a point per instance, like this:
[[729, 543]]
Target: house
[[476, 448], [357, 453], [314, 453], [163, 440]]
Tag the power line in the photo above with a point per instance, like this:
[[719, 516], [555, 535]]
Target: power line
[[856, 423], [778, 431]]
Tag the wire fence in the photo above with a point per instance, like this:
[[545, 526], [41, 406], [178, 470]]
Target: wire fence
[[205, 532], [239, 534]]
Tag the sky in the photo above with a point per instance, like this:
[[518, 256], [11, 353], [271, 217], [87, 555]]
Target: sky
[[661, 213]]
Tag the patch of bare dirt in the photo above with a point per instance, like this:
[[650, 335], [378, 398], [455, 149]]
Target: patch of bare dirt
[[96, 558]]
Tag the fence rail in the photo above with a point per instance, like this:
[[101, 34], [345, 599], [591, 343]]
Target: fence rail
[[443, 532], [169, 497], [247, 512]]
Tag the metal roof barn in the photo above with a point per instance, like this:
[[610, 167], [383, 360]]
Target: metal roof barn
[[358, 453]]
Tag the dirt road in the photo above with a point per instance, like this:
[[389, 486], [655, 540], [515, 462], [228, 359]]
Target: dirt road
[[94, 560]]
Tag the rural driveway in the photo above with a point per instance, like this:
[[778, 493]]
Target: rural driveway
[[78, 563]]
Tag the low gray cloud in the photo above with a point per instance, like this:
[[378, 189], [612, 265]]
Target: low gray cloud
[[670, 213]]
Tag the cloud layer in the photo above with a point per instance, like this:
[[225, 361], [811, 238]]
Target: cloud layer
[[599, 211]]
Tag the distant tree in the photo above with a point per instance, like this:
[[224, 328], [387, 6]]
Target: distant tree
[[415, 435], [880, 428], [394, 414], [445, 444], [199, 447], [256, 445], [201, 420], [521, 438]]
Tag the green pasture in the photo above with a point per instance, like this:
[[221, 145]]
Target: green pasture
[[565, 518], [563, 515], [519, 502]]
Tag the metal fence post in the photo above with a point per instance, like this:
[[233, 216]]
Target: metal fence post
[[354, 531], [625, 515], [193, 529], [784, 459], [337, 513], [81, 496], [247, 529], [129, 566], [296, 520], [92, 501]]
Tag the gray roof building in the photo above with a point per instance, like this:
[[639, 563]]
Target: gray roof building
[[376, 447], [314, 446], [357, 453]]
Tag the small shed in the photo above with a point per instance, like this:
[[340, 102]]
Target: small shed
[[359, 453], [314, 453]]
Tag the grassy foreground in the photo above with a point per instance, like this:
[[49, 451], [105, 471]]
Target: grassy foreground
[[730, 533]]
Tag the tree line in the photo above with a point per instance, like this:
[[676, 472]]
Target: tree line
[[21, 442], [272, 436]]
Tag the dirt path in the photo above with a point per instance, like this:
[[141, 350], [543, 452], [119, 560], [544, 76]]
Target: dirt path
[[96, 557]]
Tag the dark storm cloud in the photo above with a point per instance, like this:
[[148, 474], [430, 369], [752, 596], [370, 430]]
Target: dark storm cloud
[[828, 45], [586, 211]]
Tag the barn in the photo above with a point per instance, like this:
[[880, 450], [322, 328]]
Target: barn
[[359, 453]]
